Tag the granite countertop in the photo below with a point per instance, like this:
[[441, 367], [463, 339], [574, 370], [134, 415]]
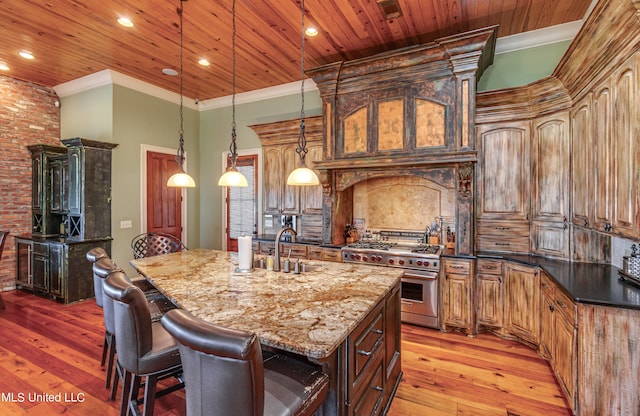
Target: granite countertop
[[58, 239], [309, 314], [591, 283]]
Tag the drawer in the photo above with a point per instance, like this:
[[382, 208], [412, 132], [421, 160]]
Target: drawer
[[315, 253], [457, 267], [515, 245], [565, 306], [298, 251], [332, 254], [267, 248], [364, 344], [547, 285], [485, 266], [503, 228], [369, 400]]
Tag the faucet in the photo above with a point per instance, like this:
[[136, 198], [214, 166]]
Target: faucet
[[276, 260]]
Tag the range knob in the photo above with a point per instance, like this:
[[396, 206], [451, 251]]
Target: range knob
[[391, 261], [364, 258], [426, 263], [400, 261], [358, 256], [419, 262]]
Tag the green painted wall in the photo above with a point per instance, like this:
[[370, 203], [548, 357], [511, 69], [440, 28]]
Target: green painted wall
[[132, 119], [517, 68]]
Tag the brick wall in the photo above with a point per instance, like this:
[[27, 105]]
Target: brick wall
[[28, 115]]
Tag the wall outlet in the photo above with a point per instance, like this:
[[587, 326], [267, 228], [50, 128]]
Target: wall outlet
[[125, 224]]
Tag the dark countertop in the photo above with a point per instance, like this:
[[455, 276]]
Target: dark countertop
[[286, 238], [591, 283], [57, 239]]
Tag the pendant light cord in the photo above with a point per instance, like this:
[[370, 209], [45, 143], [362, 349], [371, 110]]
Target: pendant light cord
[[302, 141], [233, 148], [180, 158]]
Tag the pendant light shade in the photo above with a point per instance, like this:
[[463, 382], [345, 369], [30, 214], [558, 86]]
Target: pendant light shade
[[181, 179], [302, 176], [232, 177]]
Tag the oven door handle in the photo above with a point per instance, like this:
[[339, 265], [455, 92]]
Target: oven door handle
[[420, 276]]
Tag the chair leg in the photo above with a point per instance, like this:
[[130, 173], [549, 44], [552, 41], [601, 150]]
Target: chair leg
[[149, 395], [105, 349], [112, 354], [126, 393]]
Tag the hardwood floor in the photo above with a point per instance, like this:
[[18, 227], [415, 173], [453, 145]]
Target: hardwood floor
[[50, 349]]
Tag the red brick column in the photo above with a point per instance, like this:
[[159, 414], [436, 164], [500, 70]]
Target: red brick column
[[28, 115]]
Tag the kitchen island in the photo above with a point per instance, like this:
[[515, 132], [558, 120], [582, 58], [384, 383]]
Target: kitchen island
[[343, 317]]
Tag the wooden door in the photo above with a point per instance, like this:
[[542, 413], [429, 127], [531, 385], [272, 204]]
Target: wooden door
[[164, 204], [241, 203]]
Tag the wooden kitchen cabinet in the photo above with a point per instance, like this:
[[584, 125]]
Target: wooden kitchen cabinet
[[457, 295], [489, 294], [581, 168], [626, 155], [522, 303], [550, 185], [558, 336], [602, 158], [46, 177], [279, 198], [279, 143], [503, 187]]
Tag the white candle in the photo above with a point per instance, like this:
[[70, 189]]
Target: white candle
[[245, 254]]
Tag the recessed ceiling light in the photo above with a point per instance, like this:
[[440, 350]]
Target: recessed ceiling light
[[204, 62], [169, 71], [4, 66], [26, 54], [311, 31], [125, 21]]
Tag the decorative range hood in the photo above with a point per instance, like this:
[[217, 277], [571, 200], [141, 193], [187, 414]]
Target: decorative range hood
[[405, 112]]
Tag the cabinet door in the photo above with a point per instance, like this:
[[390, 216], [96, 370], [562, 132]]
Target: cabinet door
[[550, 238], [489, 301], [547, 327], [602, 158], [582, 166], [56, 270], [41, 272], [272, 180], [312, 195], [624, 121], [522, 302], [550, 164], [58, 185], [24, 263], [504, 173], [291, 194], [457, 300], [75, 180], [564, 356], [37, 187]]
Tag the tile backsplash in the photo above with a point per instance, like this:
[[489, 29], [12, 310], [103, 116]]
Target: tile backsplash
[[402, 202]]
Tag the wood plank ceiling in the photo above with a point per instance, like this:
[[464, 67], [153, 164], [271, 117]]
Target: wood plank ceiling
[[74, 38]]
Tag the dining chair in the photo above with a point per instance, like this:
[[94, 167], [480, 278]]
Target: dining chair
[[3, 238], [226, 373], [94, 255], [145, 349], [155, 244]]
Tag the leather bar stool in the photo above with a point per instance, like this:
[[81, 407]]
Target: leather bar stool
[[101, 269], [145, 349], [94, 255], [227, 374]]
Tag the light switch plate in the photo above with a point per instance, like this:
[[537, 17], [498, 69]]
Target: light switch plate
[[125, 224]]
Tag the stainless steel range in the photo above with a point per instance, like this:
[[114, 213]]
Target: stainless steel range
[[421, 264]]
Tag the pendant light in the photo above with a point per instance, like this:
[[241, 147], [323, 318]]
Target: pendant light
[[302, 176], [232, 177], [181, 179]]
